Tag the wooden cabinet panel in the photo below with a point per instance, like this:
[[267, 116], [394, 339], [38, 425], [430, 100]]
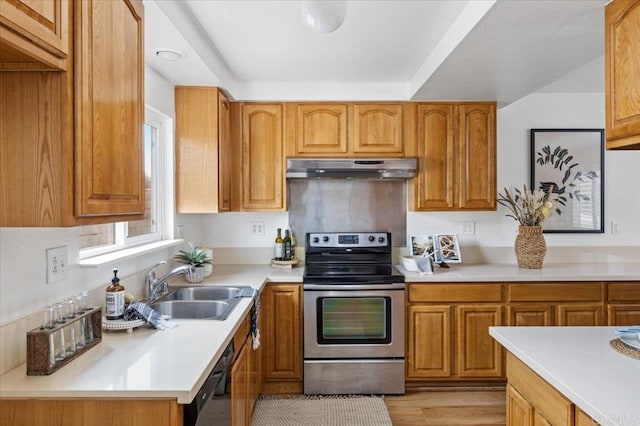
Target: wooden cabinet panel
[[519, 411], [239, 388], [253, 386], [321, 129], [540, 420], [455, 292], [530, 315], [554, 292], [477, 156], [429, 346], [263, 177], [34, 31], [434, 184], [623, 314], [546, 400], [456, 148], [478, 354], [202, 152], [376, 128], [109, 113], [583, 419], [282, 332], [622, 64], [624, 292], [90, 412], [580, 314]]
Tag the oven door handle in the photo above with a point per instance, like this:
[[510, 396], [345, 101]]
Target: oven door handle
[[351, 287]]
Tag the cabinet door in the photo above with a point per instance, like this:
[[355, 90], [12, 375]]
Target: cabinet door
[[239, 388], [283, 332], [263, 177], [434, 185], [109, 113], [519, 410], [580, 314], [224, 153], [622, 62], [37, 29], [429, 343], [583, 419], [619, 315], [197, 150], [253, 377], [530, 315], [540, 420], [478, 354], [321, 129], [376, 129], [477, 156]]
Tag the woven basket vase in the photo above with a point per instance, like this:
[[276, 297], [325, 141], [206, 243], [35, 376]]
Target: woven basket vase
[[530, 247]]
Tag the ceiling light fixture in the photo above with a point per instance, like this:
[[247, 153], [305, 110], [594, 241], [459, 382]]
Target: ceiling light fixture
[[324, 16], [170, 54]]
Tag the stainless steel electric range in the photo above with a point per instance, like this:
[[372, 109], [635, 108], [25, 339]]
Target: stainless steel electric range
[[353, 315]]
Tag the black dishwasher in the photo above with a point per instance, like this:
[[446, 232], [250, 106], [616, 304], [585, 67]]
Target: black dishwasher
[[212, 403]]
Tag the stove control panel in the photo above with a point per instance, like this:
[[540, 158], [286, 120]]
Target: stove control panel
[[353, 239]]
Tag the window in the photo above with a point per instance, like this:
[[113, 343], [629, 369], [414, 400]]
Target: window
[[105, 238]]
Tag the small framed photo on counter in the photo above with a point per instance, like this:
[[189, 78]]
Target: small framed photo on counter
[[440, 247], [421, 244]]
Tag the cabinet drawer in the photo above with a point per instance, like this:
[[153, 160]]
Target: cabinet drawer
[[624, 292], [546, 292], [455, 292]]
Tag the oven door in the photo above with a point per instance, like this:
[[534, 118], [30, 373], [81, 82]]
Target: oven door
[[347, 322]]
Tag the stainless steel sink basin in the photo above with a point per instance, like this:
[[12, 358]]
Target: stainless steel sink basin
[[203, 293], [196, 309]]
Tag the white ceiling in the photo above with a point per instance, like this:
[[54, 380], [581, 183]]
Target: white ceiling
[[420, 50]]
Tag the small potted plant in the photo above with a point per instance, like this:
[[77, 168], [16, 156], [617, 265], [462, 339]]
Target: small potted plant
[[197, 258]]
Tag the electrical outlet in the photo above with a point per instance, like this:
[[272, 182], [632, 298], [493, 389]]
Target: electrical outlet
[[468, 228], [180, 232], [615, 227], [57, 259], [257, 229]]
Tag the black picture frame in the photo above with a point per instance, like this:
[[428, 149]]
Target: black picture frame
[[573, 161]]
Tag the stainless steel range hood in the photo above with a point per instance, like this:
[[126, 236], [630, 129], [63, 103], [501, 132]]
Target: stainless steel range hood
[[351, 168]]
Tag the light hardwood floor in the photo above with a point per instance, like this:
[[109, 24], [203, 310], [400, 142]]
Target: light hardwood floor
[[448, 407]]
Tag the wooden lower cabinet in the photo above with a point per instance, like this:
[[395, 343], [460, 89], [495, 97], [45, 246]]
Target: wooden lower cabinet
[[282, 338], [531, 401], [624, 303], [90, 412], [623, 314], [240, 388], [451, 340]]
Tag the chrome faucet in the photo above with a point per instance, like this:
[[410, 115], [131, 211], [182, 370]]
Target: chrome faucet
[[154, 284]]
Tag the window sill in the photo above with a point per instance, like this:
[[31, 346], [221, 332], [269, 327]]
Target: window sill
[[128, 253]]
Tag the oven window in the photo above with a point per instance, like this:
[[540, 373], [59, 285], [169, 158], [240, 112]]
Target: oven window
[[357, 320]]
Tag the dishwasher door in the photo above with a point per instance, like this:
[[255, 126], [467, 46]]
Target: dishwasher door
[[212, 404]]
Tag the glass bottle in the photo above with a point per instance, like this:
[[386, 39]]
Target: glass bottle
[[279, 248], [69, 335], [58, 335], [293, 243], [88, 322], [287, 245], [78, 326], [47, 324], [115, 298]]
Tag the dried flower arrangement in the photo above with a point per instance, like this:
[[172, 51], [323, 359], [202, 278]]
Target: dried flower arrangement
[[528, 207]]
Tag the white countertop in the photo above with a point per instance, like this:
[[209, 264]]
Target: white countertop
[[460, 272], [148, 363], [581, 365]]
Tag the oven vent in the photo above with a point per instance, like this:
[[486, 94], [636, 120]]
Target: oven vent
[[351, 168]]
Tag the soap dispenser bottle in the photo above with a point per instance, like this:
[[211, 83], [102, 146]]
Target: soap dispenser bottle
[[114, 298]]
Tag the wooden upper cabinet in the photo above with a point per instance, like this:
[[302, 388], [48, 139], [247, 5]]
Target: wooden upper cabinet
[[263, 177], [477, 156], [622, 66], [321, 129], [376, 129], [456, 145], [434, 184], [346, 129], [109, 115], [34, 34], [203, 181]]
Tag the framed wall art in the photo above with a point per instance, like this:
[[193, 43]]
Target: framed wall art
[[572, 162]]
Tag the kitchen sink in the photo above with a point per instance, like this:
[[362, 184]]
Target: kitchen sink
[[196, 309], [203, 293]]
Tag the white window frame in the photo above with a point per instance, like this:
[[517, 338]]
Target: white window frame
[[162, 165]]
